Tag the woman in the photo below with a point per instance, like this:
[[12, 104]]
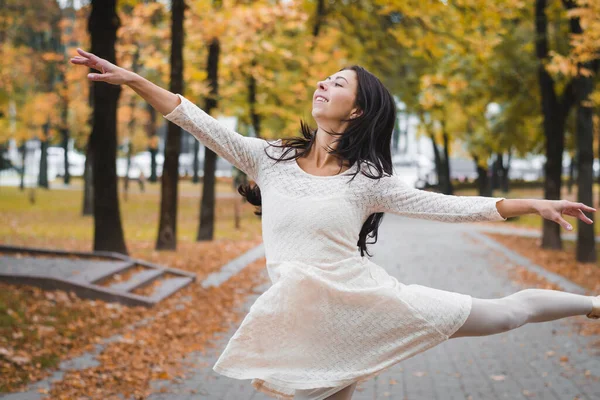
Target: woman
[[333, 318]]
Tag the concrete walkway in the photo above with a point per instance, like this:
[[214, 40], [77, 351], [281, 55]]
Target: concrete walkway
[[539, 361]]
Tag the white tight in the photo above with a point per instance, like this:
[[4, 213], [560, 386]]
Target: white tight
[[326, 393], [491, 316]]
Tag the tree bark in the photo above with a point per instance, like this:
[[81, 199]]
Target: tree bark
[[572, 168], [23, 149], [196, 162], [505, 174], [483, 181], [254, 116], [554, 112], [438, 163], [448, 189], [64, 132], [151, 132], [167, 229], [131, 126], [88, 182], [207, 204], [43, 170], [108, 231], [495, 174], [68, 14], [586, 244], [319, 17], [127, 170]]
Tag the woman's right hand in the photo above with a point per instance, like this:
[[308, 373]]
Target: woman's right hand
[[110, 73]]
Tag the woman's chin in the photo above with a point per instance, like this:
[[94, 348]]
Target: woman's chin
[[317, 113]]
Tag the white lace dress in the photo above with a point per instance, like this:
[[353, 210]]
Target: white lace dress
[[331, 317]]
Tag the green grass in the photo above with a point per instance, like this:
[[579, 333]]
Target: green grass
[[56, 215]]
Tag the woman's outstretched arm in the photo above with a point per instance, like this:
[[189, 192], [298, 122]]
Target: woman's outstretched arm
[[391, 194], [246, 153], [552, 210], [161, 99]]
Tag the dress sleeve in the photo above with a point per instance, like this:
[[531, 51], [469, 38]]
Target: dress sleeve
[[242, 151], [392, 195]]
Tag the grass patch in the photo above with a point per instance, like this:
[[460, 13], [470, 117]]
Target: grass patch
[[55, 219]]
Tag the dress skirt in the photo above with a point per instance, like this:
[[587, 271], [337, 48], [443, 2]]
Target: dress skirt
[[327, 325]]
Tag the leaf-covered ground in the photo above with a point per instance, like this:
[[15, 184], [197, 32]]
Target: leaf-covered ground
[[39, 328]]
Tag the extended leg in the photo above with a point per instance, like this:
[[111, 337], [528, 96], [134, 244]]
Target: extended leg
[[329, 393], [344, 394], [491, 316]]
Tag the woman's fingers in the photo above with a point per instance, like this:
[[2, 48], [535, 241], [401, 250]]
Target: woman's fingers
[[561, 221], [90, 60], [587, 208], [99, 77], [88, 55], [584, 217]]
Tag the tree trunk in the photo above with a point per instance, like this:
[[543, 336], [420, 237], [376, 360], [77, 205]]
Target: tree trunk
[[396, 136], [449, 189], [65, 144], [319, 17], [586, 244], [483, 181], [23, 149], [43, 170], [108, 231], [495, 175], [131, 125], [151, 132], [153, 176], [572, 167], [554, 112], [127, 170], [88, 183], [207, 204], [196, 162], [167, 229], [438, 163], [505, 172], [68, 14], [254, 116]]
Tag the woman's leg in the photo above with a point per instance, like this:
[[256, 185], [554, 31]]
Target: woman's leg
[[332, 393], [491, 316], [344, 394]]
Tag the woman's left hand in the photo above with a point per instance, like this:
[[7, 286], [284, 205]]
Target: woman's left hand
[[553, 210]]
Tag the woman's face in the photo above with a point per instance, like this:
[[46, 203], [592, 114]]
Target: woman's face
[[334, 99]]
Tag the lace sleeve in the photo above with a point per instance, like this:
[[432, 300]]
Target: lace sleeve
[[242, 151], [392, 195]]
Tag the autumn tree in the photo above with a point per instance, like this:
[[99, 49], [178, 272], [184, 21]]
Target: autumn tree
[[580, 67], [167, 229], [108, 231]]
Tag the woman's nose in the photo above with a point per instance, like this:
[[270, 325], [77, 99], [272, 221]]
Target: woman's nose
[[322, 85]]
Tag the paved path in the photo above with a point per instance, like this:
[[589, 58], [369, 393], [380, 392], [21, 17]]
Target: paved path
[[522, 364]]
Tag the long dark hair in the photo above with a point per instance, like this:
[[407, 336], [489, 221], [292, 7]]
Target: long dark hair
[[366, 140]]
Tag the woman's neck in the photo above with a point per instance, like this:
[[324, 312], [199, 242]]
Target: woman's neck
[[318, 157]]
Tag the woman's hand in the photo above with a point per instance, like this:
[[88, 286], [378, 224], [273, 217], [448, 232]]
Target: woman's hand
[[110, 73], [553, 210]]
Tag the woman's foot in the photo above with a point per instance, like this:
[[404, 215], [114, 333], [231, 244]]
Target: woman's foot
[[595, 313]]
